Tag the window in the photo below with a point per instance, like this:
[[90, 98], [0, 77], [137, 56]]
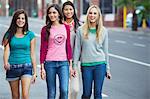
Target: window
[[106, 6], [85, 6]]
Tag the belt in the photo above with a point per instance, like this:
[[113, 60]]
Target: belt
[[20, 65]]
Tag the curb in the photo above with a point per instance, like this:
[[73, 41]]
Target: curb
[[128, 30]]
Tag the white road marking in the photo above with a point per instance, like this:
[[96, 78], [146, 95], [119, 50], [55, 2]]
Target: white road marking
[[130, 60], [104, 95], [139, 45], [120, 41], [6, 26], [130, 36], [140, 38]]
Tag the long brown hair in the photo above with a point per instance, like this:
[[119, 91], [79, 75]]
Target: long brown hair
[[76, 20], [49, 22], [13, 27], [99, 24]]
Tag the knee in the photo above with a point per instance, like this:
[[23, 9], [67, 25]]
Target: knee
[[51, 95], [85, 97], [75, 88], [64, 93], [98, 96], [25, 96], [15, 96], [75, 91]]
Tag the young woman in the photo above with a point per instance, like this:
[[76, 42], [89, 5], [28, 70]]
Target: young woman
[[19, 55], [71, 19], [91, 46], [55, 53]]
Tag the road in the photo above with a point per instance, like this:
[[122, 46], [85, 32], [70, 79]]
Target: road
[[129, 60]]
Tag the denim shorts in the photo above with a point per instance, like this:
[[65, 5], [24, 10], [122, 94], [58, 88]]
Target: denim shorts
[[17, 71]]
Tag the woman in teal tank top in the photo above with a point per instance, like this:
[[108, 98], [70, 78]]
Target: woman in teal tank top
[[19, 55]]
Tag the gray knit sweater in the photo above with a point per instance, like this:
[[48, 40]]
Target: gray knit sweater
[[89, 50]]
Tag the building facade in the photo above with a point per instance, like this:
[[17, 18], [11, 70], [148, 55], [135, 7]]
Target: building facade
[[3, 7], [111, 15], [37, 8]]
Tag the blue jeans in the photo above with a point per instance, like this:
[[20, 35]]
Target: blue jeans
[[93, 73], [61, 68]]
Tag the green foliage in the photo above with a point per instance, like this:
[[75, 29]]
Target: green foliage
[[134, 4], [146, 10], [128, 3], [0, 5], [122, 3]]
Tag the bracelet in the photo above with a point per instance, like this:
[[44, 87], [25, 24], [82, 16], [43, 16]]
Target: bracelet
[[35, 75]]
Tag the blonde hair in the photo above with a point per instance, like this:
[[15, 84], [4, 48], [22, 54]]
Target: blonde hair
[[99, 24]]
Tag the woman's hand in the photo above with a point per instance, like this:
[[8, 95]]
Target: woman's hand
[[72, 72], [34, 78], [7, 66], [43, 74], [108, 75]]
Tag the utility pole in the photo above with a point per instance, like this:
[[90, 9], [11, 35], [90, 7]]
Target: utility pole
[[7, 8]]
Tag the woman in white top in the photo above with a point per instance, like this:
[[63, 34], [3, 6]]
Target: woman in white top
[[70, 18]]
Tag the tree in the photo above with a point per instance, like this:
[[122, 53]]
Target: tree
[[124, 4], [146, 11], [131, 4]]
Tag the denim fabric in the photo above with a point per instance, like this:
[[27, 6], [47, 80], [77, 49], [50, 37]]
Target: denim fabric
[[18, 70], [61, 68], [93, 73]]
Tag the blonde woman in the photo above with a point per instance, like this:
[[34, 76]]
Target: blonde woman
[[91, 47]]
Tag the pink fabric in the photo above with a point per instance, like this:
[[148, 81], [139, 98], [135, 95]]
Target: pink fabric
[[71, 24], [44, 45], [57, 44]]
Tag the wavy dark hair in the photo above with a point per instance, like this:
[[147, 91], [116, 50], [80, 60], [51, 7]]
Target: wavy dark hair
[[13, 27], [49, 22], [76, 20]]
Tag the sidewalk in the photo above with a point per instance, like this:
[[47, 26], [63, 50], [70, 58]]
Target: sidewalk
[[117, 29], [128, 30]]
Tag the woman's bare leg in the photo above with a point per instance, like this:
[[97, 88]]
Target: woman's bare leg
[[14, 85], [25, 82]]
